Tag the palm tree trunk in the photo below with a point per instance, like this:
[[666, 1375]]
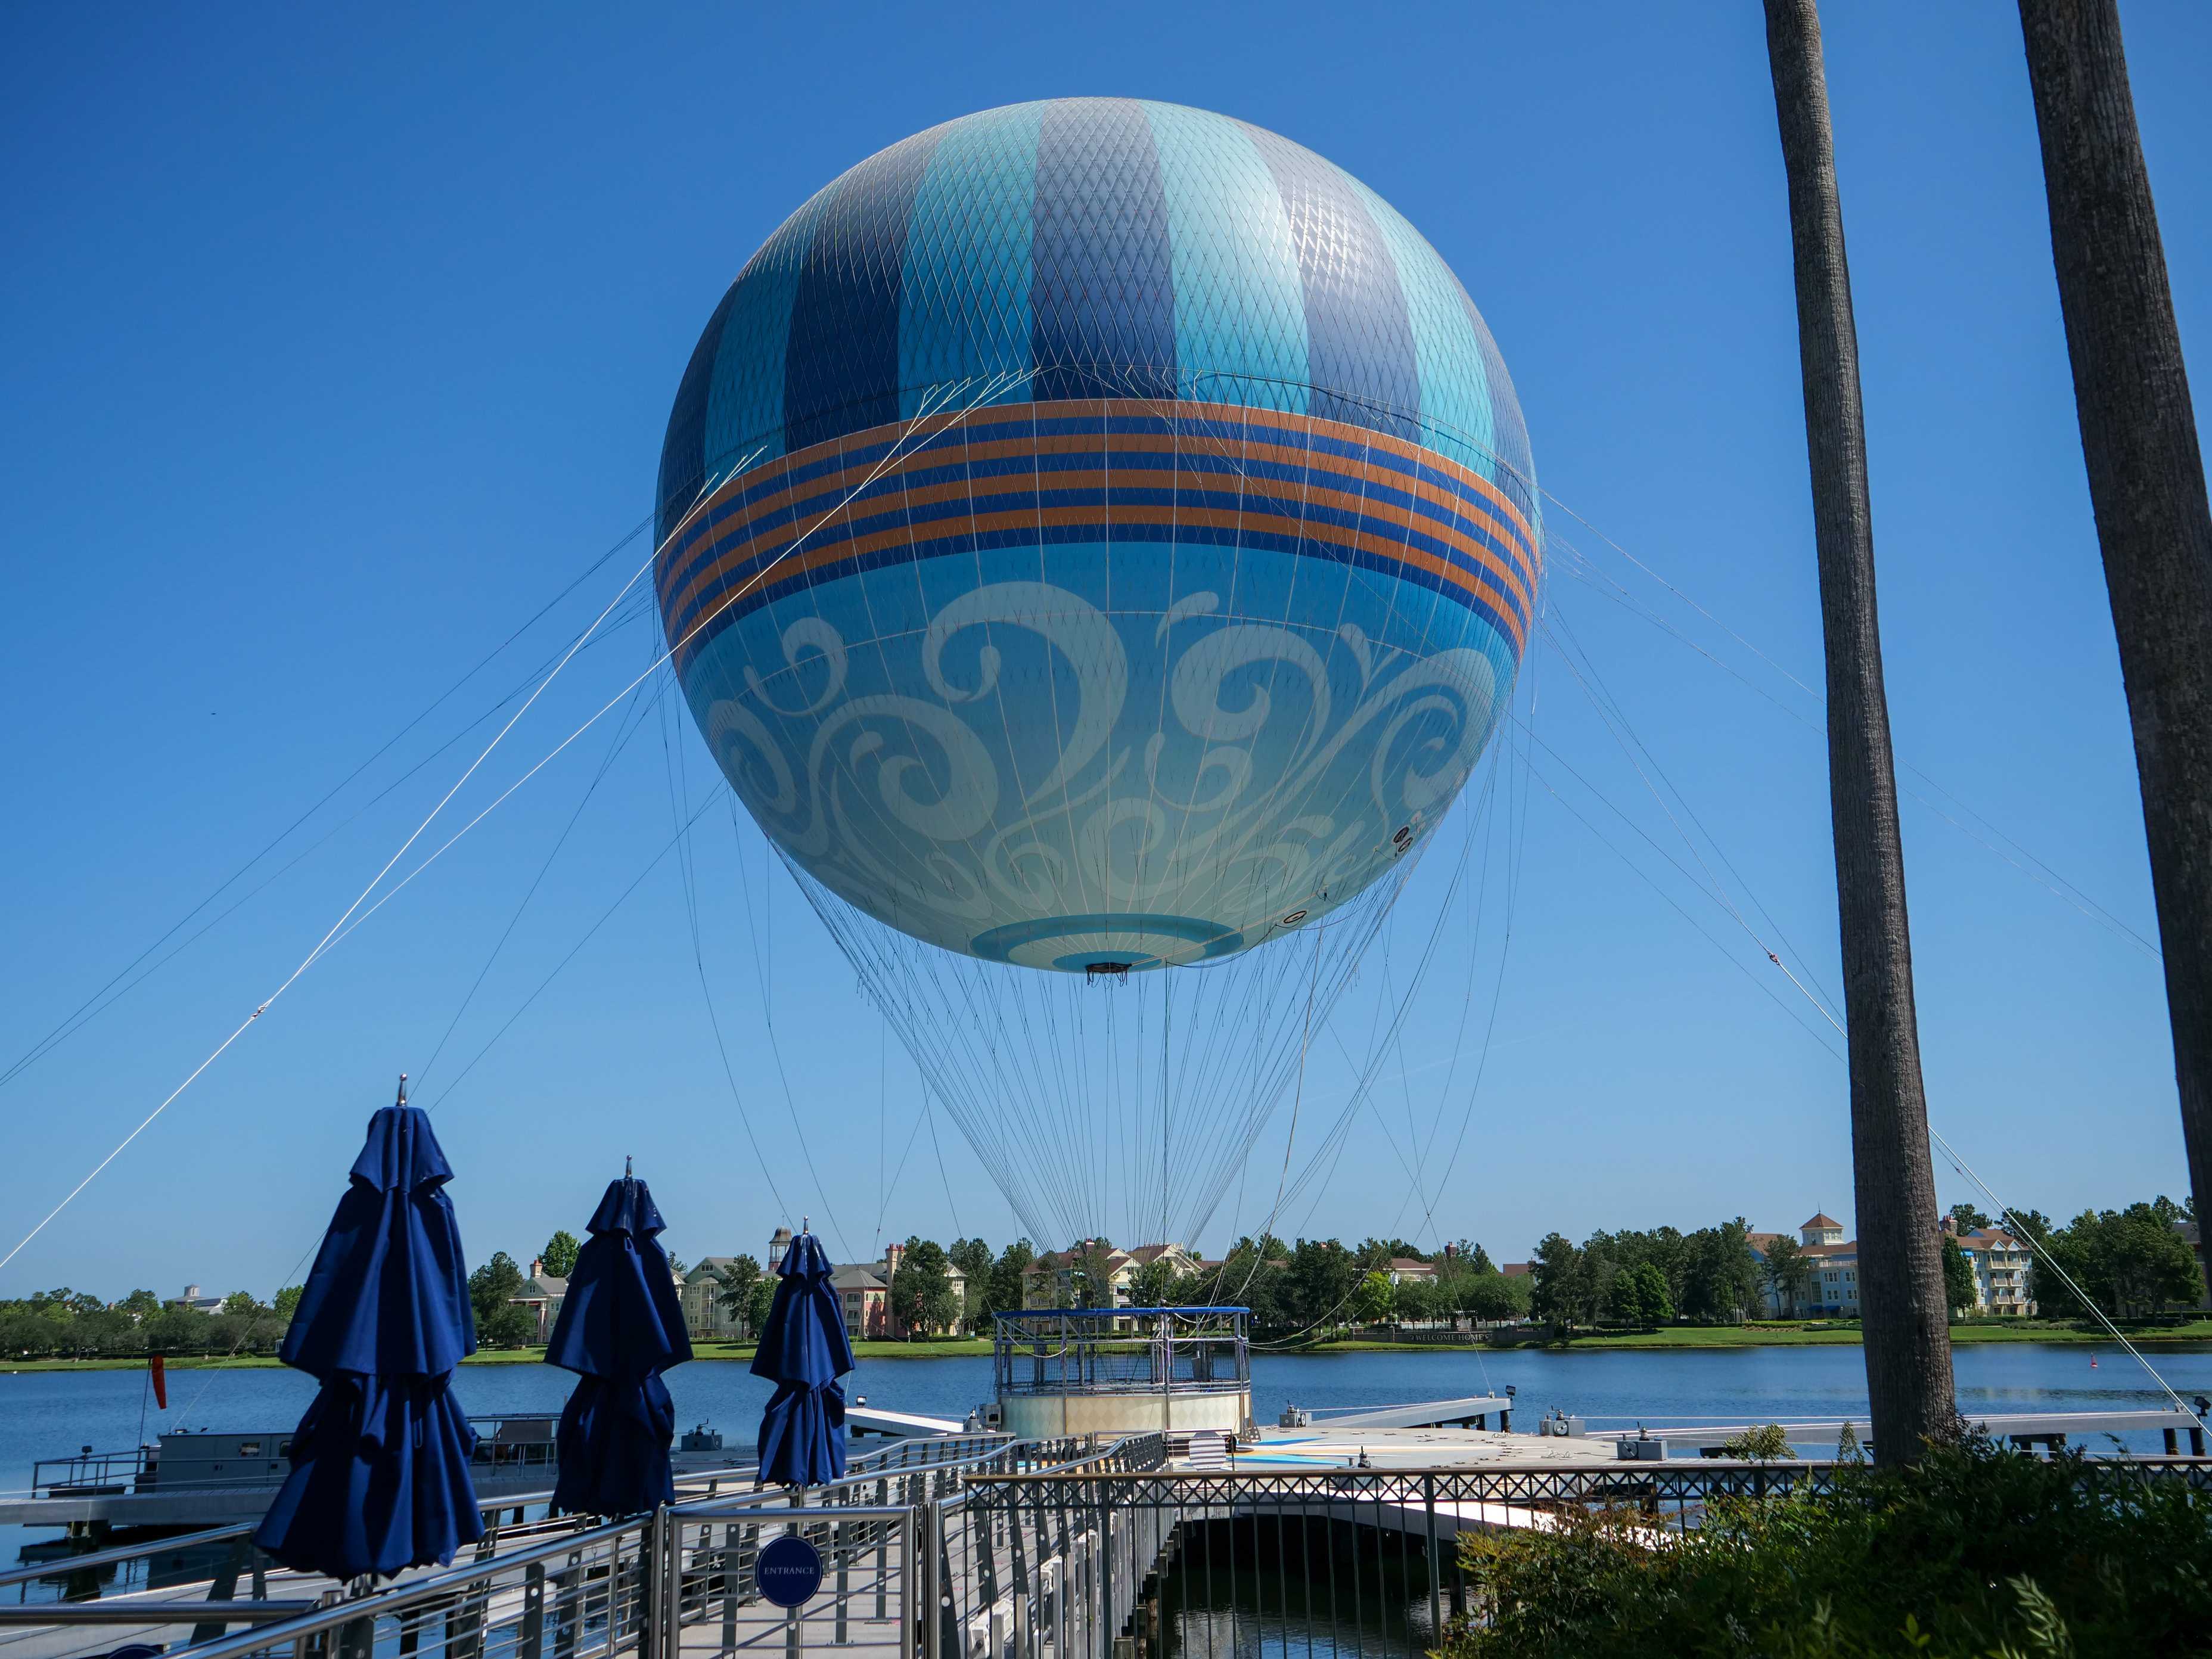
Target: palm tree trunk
[[2146, 484], [1900, 1265]]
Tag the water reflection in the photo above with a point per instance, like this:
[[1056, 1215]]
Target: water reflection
[[1264, 1587]]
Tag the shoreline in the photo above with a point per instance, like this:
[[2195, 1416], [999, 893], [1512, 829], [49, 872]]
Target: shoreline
[[1777, 1335]]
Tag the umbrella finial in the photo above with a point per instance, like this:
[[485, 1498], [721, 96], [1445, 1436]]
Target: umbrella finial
[[626, 1174], [805, 1223], [403, 1090]]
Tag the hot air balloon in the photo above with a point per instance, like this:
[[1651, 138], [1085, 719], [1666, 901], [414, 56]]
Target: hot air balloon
[[1096, 537]]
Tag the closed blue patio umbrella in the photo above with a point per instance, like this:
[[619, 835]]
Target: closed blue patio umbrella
[[803, 1351], [621, 1327], [379, 1478]]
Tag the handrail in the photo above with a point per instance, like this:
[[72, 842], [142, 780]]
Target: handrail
[[436, 1587], [900, 1456], [154, 1612], [431, 1587]]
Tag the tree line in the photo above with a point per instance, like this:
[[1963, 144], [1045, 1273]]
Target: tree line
[[1709, 1276], [69, 1324], [2131, 1263]]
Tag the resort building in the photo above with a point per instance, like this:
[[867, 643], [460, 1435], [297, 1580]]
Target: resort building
[[2000, 1262], [708, 1313], [866, 1298], [543, 1294], [196, 1302], [1053, 1280], [1831, 1285]]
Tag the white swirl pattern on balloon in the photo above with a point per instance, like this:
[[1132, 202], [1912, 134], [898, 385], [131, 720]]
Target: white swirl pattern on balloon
[[1083, 785]]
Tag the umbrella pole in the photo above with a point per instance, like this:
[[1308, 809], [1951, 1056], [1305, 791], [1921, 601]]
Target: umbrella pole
[[791, 1631]]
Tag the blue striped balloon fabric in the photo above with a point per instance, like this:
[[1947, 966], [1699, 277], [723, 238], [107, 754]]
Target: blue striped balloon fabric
[[1096, 535]]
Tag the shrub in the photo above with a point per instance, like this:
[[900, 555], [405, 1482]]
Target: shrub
[[1767, 1444], [1974, 1553]]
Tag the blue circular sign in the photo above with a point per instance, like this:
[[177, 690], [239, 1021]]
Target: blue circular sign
[[788, 1571]]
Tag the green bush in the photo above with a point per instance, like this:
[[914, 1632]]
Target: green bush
[[1975, 1554]]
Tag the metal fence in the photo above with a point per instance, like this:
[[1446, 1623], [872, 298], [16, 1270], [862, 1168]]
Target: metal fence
[[1187, 1562], [971, 1547], [192, 1586]]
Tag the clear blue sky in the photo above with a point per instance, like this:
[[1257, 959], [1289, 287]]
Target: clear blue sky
[[334, 347]]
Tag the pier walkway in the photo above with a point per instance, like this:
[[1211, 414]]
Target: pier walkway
[[957, 1547]]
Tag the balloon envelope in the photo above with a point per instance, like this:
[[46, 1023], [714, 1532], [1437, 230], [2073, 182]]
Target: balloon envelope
[[1096, 535]]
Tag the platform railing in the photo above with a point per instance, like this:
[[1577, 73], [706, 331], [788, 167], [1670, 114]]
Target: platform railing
[[230, 1569], [656, 1587], [1226, 1563], [1000, 1550]]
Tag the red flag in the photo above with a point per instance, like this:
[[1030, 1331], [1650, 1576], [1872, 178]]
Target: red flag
[[160, 1371]]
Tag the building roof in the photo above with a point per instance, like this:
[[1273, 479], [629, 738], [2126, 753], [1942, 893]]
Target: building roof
[[1515, 1269], [1822, 1219], [1054, 1261], [853, 1276], [1758, 1242], [1145, 1255], [544, 1288], [1848, 1248], [1413, 1265], [709, 1265]]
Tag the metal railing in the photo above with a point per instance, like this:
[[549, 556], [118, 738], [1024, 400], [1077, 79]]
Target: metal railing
[[651, 1587], [973, 1548], [215, 1559], [1225, 1563]]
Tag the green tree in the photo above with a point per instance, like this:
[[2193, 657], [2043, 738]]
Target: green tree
[[1007, 1278], [1560, 1273], [973, 1257], [288, 1303], [1722, 1281], [177, 1330], [559, 1256], [1787, 1270], [493, 1286], [1768, 1443], [1479, 1259], [241, 1302], [1090, 1273], [733, 1290], [1958, 1276], [1967, 1218], [1152, 1285], [1415, 1301], [1320, 1278], [140, 1305], [922, 1290], [758, 1302], [1372, 1298], [2129, 1263], [1493, 1298], [1654, 1303], [511, 1326]]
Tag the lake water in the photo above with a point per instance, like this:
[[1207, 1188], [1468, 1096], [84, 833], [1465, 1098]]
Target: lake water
[[50, 1413]]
